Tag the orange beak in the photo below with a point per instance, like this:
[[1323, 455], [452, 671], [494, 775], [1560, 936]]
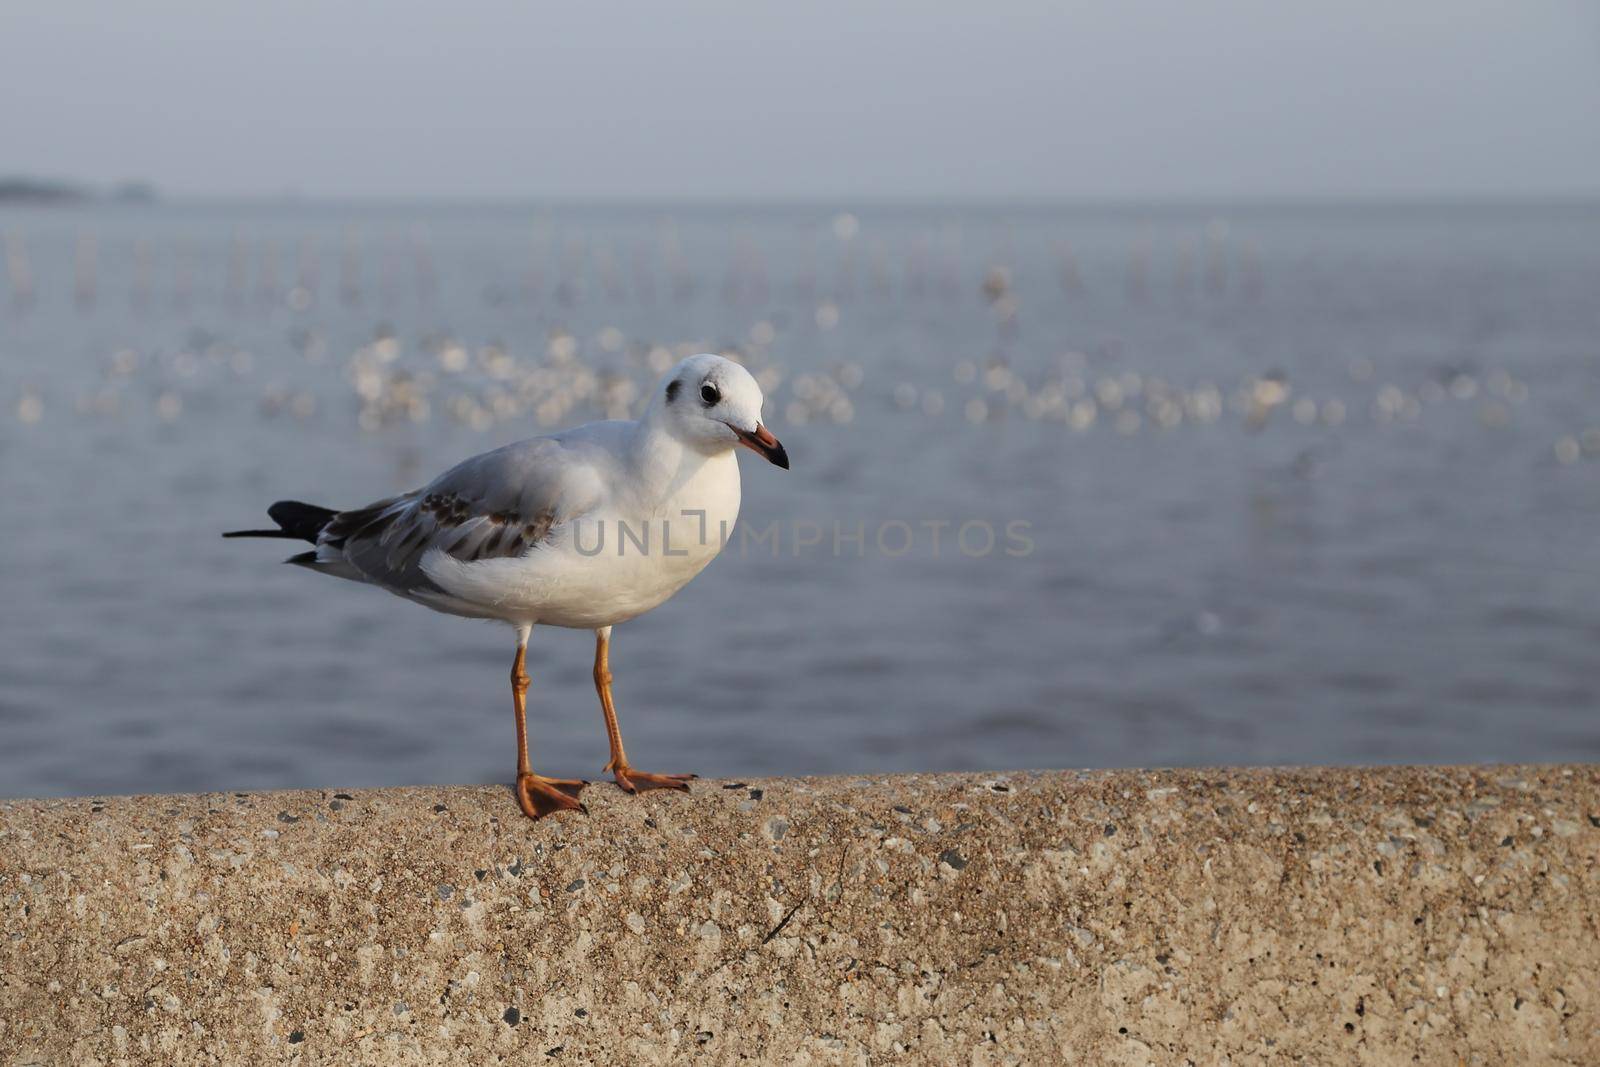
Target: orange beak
[[763, 443]]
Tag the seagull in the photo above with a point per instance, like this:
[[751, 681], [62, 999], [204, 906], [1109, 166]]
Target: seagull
[[583, 529]]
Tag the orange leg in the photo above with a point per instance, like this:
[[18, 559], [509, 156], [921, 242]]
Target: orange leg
[[629, 779], [537, 795]]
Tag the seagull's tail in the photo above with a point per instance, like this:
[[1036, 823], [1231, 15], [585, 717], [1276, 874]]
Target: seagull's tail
[[296, 521]]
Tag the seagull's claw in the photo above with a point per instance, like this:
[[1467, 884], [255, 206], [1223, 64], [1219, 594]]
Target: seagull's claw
[[633, 781], [539, 796]]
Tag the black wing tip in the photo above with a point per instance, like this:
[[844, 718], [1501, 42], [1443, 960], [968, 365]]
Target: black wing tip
[[304, 559], [296, 522], [301, 520]]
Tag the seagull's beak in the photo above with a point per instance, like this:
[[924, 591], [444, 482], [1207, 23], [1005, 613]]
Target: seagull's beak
[[763, 443]]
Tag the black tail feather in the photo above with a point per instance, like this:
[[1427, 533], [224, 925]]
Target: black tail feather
[[297, 521]]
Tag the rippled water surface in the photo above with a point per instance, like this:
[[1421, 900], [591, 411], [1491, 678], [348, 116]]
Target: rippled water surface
[[1263, 485]]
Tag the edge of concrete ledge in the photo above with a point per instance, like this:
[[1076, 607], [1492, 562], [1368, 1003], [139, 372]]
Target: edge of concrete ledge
[[1352, 914]]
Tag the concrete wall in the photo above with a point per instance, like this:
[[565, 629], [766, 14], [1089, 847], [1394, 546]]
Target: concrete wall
[[1395, 915]]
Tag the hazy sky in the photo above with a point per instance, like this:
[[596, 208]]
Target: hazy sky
[[812, 99]]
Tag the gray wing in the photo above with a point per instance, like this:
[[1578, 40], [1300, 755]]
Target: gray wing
[[501, 503]]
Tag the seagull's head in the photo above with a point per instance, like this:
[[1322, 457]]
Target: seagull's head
[[715, 404]]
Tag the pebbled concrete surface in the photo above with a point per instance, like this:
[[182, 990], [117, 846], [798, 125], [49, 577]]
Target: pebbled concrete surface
[[1393, 915]]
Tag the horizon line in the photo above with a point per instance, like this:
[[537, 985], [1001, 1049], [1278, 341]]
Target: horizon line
[[105, 195]]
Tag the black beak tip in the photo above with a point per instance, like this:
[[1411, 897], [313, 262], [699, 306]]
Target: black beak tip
[[761, 442]]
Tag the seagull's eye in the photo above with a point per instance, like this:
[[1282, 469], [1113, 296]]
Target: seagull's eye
[[709, 393]]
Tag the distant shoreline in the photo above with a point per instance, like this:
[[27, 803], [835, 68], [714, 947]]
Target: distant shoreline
[[49, 192], [17, 189]]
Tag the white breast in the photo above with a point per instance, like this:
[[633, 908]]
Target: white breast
[[618, 562]]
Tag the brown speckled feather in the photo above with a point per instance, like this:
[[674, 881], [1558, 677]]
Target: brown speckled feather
[[498, 505]]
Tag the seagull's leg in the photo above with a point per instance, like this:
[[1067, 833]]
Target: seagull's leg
[[536, 794], [629, 779]]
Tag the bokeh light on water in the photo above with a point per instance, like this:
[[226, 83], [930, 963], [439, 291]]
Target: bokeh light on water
[[1302, 484]]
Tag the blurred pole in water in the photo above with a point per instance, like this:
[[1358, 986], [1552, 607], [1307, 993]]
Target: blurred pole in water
[[1009, 302], [533, 283], [845, 229], [308, 275], [20, 271], [760, 277], [569, 287], [999, 289], [1249, 269], [1067, 273], [350, 269], [948, 271], [1183, 277], [238, 255], [143, 275], [182, 275], [422, 260], [805, 275], [731, 281], [916, 284], [1138, 284], [267, 281], [677, 266], [86, 266], [747, 274], [1217, 257], [605, 265], [644, 276], [878, 270], [389, 267], [844, 276]]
